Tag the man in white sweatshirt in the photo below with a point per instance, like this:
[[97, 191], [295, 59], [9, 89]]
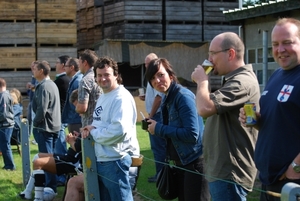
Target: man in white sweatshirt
[[114, 132]]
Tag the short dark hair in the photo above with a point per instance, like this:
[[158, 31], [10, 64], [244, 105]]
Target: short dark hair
[[74, 62], [45, 66], [89, 56], [63, 59], [100, 63], [154, 66], [2, 82]]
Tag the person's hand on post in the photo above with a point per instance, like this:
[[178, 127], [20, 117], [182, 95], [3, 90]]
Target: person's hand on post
[[199, 75], [86, 131], [151, 126]]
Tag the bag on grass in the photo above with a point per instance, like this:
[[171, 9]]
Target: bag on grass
[[166, 183]]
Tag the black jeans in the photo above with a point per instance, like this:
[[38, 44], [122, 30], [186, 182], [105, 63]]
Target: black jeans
[[192, 185]]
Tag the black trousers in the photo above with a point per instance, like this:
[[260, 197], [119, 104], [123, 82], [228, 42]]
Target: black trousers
[[192, 185]]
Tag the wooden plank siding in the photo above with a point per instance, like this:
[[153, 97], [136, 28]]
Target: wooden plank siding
[[98, 34], [13, 58], [132, 11], [213, 11], [81, 4], [56, 33], [51, 54], [183, 11], [81, 39], [186, 32], [134, 31], [17, 79], [17, 10], [56, 10], [89, 3], [17, 33], [90, 18], [98, 16], [82, 19], [210, 31]]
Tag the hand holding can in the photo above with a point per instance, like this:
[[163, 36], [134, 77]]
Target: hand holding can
[[250, 111]]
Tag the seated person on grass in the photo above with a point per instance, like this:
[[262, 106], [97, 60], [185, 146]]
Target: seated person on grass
[[54, 163]]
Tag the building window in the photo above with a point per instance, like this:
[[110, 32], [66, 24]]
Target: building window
[[260, 55], [251, 56], [259, 75]]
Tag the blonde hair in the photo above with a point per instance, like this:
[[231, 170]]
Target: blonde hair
[[14, 98], [17, 93]]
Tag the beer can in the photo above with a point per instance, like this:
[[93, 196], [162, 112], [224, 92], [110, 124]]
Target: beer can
[[250, 110]]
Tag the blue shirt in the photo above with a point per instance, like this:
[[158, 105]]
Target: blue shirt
[[278, 140]]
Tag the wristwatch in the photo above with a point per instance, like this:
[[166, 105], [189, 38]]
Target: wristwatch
[[296, 167]]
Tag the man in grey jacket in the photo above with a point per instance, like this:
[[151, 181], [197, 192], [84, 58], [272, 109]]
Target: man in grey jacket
[[47, 122]]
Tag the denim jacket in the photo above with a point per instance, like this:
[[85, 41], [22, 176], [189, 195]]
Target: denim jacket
[[185, 126], [69, 115]]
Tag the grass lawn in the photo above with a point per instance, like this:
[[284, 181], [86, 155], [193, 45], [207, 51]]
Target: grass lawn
[[11, 181]]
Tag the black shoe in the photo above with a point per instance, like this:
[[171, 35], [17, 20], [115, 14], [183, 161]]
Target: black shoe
[[9, 169], [152, 179], [22, 196]]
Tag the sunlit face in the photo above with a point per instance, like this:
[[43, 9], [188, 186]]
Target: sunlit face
[[218, 57], [59, 66], [68, 68], [161, 81], [286, 45], [37, 73], [106, 79]]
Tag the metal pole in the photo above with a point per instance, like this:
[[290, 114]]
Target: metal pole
[[265, 57], [290, 192]]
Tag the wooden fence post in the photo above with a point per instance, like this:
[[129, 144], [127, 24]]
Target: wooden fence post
[[91, 185], [25, 151]]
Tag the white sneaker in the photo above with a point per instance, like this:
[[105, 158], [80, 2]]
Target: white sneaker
[[23, 196]]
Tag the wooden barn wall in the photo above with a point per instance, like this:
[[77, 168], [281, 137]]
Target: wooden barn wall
[[183, 58], [111, 49]]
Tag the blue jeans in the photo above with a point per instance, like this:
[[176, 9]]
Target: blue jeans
[[114, 180], [46, 144], [227, 191], [133, 173], [61, 145], [5, 136], [158, 146], [61, 148]]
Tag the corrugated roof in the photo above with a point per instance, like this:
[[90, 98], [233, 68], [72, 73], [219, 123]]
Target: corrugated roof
[[262, 9], [251, 7]]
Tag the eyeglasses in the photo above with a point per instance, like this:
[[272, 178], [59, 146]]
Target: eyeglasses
[[68, 65], [211, 53]]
